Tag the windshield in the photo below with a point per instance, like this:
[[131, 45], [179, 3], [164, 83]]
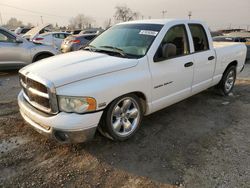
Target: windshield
[[128, 39]]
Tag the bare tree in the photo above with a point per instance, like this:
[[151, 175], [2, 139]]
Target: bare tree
[[30, 25], [123, 14], [80, 22], [13, 23]]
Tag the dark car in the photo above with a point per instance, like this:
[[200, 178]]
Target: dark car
[[229, 39], [76, 32], [76, 42]]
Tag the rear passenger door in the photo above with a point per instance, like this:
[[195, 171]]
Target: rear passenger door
[[204, 59]]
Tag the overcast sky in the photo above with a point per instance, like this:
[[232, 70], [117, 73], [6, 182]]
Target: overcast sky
[[217, 13]]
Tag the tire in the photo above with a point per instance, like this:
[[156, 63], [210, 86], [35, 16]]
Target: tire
[[122, 118], [227, 82], [42, 56]]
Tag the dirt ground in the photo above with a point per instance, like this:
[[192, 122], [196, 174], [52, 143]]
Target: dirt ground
[[203, 141]]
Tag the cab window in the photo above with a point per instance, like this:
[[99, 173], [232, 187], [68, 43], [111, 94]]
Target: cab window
[[177, 38], [199, 37]]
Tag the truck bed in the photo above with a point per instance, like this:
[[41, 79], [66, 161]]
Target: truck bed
[[229, 52]]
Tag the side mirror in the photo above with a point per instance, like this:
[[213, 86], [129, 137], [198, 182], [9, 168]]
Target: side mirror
[[19, 40], [169, 50]]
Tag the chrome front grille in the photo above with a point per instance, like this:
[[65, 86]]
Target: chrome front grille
[[39, 93]]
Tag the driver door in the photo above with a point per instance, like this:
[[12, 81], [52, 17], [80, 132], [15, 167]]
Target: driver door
[[172, 76]]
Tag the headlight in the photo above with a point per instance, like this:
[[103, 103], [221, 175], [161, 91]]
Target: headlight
[[77, 104]]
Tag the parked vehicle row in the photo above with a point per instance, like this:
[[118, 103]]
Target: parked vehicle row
[[54, 39], [26, 46], [131, 70], [16, 52]]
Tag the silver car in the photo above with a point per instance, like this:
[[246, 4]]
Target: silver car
[[16, 52]]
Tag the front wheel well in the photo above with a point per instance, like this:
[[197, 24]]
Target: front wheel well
[[140, 95]]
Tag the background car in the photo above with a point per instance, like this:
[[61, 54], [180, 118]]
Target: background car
[[16, 52], [76, 32], [229, 39], [54, 39], [92, 31], [76, 42], [21, 30]]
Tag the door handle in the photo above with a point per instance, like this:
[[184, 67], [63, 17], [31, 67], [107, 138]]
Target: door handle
[[211, 58], [189, 64]]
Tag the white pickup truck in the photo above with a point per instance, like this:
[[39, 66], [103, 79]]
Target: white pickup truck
[[131, 70]]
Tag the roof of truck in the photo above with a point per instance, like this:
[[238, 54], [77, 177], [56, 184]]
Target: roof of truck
[[161, 21]]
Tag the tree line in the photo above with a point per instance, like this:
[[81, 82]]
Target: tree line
[[81, 21]]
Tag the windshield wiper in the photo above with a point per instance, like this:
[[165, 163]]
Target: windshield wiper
[[117, 50]]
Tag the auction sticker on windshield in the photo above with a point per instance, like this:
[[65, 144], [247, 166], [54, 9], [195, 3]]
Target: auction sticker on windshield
[[148, 32]]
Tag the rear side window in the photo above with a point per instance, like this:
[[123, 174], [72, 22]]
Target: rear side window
[[199, 37], [59, 35]]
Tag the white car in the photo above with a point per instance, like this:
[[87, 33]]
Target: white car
[[131, 70], [54, 39], [20, 31]]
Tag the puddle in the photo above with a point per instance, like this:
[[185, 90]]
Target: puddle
[[6, 145]]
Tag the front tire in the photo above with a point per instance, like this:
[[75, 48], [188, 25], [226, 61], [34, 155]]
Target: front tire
[[227, 82], [122, 118]]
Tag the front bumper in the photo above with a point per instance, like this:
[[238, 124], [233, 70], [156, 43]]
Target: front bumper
[[64, 127]]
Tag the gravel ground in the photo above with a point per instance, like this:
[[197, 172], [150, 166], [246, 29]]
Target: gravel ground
[[200, 142]]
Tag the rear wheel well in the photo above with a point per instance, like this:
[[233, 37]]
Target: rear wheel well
[[36, 57], [233, 63]]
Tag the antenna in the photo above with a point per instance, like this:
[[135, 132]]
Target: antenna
[[42, 19]]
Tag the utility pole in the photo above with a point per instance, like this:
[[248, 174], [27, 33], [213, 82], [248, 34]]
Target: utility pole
[[190, 15], [1, 19], [163, 13], [42, 19]]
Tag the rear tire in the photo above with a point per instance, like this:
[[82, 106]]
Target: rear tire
[[122, 118], [42, 56], [227, 82]]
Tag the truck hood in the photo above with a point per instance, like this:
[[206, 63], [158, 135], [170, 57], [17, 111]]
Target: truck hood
[[75, 66]]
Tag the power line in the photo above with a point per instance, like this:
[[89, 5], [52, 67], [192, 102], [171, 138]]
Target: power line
[[1, 19], [32, 11]]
